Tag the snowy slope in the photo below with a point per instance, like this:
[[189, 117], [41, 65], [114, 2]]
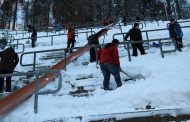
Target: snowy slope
[[166, 85]]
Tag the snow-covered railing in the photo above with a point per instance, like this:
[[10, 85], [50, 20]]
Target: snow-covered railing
[[37, 92], [160, 41], [16, 46], [52, 37], [37, 75], [146, 32]]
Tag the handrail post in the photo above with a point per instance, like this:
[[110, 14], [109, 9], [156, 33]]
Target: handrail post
[[65, 59], [52, 40], [36, 93], [34, 62], [128, 50], [161, 50], [124, 41], [96, 56]]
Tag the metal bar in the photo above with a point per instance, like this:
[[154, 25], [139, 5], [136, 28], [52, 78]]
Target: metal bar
[[65, 61], [128, 50], [161, 50], [87, 46], [36, 92]]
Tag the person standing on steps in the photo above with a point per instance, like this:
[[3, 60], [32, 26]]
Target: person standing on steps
[[71, 39], [135, 36], [109, 63], [8, 62], [94, 40], [33, 36], [176, 33]]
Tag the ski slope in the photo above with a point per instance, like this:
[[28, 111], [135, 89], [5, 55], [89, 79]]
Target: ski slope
[[166, 85]]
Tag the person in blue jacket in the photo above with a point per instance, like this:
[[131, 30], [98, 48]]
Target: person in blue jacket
[[176, 33]]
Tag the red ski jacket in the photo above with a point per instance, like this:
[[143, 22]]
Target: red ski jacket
[[71, 35], [109, 55]]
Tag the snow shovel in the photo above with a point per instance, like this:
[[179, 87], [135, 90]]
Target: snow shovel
[[134, 77]]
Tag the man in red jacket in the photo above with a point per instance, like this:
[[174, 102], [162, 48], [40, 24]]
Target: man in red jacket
[[109, 63]]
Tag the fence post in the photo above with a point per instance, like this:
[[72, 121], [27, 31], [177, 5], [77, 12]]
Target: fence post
[[36, 93]]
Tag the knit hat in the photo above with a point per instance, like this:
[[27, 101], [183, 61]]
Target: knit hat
[[171, 20], [136, 24], [115, 41]]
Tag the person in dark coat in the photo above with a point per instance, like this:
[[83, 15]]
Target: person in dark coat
[[109, 63], [94, 40], [71, 39], [135, 36], [33, 36], [9, 60], [176, 33]]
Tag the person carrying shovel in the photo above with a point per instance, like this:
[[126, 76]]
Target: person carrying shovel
[[109, 63]]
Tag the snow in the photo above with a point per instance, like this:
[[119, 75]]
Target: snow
[[166, 85]]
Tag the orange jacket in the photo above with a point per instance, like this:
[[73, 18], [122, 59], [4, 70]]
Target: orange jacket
[[71, 35]]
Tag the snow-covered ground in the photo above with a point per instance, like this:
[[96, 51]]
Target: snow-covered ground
[[166, 85]]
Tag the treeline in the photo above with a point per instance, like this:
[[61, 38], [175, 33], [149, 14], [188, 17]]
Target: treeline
[[43, 13]]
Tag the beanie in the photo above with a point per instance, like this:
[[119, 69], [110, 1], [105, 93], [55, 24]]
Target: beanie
[[136, 24], [115, 41]]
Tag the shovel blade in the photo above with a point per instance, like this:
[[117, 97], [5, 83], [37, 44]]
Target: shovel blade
[[138, 76]]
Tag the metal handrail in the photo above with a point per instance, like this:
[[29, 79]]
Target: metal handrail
[[37, 76], [167, 25], [146, 31], [16, 46], [34, 56], [52, 36], [128, 42], [37, 92]]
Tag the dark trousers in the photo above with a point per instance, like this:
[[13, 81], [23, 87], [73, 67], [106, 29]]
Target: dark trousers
[[33, 38], [92, 54], [136, 46], [179, 43], [108, 69], [8, 81], [70, 44]]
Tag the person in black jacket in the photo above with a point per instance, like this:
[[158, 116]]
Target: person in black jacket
[[94, 40], [9, 60], [34, 35], [135, 36]]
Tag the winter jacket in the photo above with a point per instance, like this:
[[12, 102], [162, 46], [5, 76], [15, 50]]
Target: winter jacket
[[9, 59], [109, 54], [71, 35], [93, 39], [34, 33], [175, 30], [135, 34]]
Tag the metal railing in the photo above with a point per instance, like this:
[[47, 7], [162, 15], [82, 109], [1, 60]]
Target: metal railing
[[52, 37], [186, 21], [126, 44], [146, 32], [16, 46], [37, 92], [33, 64], [37, 75]]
